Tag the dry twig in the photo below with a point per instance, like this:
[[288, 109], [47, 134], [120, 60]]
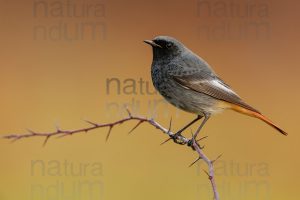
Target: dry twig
[[178, 139]]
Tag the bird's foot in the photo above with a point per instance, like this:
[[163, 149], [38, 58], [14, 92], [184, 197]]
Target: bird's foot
[[177, 138], [193, 140]]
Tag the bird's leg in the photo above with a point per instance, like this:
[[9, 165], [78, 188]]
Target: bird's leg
[[178, 133], [206, 117]]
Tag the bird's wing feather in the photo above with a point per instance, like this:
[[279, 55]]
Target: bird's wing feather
[[213, 87]]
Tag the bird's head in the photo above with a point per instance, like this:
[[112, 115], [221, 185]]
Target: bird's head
[[165, 47]]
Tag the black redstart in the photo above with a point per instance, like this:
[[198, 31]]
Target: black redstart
[[189, 83]]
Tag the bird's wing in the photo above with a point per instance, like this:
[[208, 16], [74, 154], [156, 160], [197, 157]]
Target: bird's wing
[[212, 86]]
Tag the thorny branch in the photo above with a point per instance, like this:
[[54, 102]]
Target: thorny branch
[[178, 139]]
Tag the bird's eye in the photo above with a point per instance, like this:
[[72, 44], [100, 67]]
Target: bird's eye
[[169, 45]]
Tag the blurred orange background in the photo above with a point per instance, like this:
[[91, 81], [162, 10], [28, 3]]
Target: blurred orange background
[[54, 71]]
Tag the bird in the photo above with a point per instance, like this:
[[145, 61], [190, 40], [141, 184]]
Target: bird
[[189, 83]]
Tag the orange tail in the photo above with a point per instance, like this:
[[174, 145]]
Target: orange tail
[[256, 115]]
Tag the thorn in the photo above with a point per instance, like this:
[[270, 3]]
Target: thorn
[[137, 125], [206, 172], [109, 131], [202, 138], [129, 113], [170, 125], [92, 123], [46, 140], [213, 161], [209, 176], [58, 130], [164, 142], [195, 161], [168, 132], [31, 131]]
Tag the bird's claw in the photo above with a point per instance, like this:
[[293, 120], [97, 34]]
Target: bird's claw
[[179, 140], [190, 143]]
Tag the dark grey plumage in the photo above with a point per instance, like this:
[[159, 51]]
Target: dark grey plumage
[[189, 83], [186, 80]]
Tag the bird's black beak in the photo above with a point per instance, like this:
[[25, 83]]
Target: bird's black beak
[[152, 43]]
